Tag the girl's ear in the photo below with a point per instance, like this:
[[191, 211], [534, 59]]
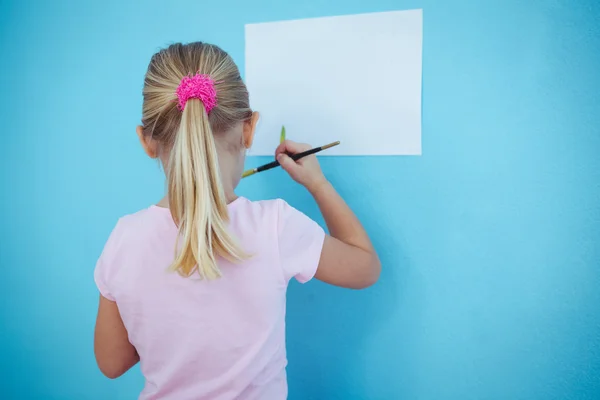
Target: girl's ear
[[250, 129], [150, 145]]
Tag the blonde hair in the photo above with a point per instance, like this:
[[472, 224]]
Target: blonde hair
[[196, 196]]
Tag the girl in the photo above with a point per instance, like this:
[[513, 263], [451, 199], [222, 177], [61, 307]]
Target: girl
[[215, 328]]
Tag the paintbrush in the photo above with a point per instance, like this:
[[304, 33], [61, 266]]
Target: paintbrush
[[294, 157]]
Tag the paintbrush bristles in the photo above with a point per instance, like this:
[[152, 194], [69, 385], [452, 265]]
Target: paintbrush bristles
[[249, 172], [282, 136]]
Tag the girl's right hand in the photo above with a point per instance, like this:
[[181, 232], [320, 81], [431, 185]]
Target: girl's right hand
[[306, 171]]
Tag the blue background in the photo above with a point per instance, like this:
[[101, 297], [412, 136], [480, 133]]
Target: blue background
[[489, 241]]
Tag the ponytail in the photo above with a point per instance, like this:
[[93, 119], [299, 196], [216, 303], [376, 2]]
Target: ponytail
[[197, 199], [180, 93]]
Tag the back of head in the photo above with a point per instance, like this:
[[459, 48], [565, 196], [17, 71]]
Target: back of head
[[187, 134]]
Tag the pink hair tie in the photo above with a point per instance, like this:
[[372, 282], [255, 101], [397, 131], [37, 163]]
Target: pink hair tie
[[199, 86]]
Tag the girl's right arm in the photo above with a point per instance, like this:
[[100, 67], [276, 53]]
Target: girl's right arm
[[348, 258]]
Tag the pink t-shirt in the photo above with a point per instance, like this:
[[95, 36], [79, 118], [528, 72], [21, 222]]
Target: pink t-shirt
[[219, 339]]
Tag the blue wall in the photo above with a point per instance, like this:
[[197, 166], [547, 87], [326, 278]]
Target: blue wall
[[489, 241]]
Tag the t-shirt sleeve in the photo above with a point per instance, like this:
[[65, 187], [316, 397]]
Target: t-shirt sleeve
[[105, 266], [300, 243]]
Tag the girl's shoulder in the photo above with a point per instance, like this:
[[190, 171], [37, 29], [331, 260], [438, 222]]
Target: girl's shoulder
[[276, 224]]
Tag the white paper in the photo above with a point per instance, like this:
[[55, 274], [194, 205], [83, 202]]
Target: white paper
[[353, 78]]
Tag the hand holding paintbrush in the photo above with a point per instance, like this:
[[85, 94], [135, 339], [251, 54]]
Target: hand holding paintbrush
[[306, 170], [294, 151]]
